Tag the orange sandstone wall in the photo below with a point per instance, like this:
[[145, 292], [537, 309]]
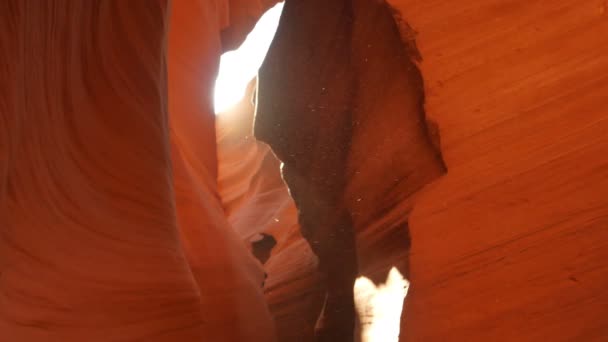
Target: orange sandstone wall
[[111, 227], [228, 276], [111, 223], [89, 247], [511, 245], [256, 201]]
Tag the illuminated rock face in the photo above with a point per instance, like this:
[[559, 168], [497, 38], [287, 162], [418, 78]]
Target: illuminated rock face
[[227, 275], [256, 201], [115, 223]]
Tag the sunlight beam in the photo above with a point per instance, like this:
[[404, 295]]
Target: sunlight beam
[[240, 66], [379, 307]]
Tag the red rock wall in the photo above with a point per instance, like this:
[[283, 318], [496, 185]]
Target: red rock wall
[[89, 247], [111, 224], [256, 201], [511, 243], [226, 273]]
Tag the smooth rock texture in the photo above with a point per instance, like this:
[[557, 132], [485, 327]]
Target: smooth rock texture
[[89, 247], [128, 211], [111, 224], [256, 201], [511, 243], [228, 276]]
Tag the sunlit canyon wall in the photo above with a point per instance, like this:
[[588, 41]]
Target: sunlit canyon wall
[[120, 218]]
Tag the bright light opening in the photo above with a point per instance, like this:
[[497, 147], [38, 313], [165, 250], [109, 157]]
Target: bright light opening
[[240, 66], [379, 307]]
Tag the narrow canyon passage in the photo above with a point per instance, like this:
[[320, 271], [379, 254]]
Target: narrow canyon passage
[[351, 181], [453, 152]]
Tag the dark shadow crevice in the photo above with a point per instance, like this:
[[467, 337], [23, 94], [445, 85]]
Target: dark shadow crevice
[[341, 102]]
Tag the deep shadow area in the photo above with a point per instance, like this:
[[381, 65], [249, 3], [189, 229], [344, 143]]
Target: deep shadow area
[[341, 103]]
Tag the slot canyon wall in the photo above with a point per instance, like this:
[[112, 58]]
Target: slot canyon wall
[[511, 243], [128, 211], [111, 224]]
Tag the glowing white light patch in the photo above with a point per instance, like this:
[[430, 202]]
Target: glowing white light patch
[[240, 66], [379, 307]]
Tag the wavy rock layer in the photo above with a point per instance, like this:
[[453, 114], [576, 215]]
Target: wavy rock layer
[[116, 224], [111, 224], [256, 202], [511, 244]]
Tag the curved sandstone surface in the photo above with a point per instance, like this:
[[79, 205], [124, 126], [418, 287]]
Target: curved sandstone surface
[[111, 225], [510, 244], [256, 201], [129, 212]]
